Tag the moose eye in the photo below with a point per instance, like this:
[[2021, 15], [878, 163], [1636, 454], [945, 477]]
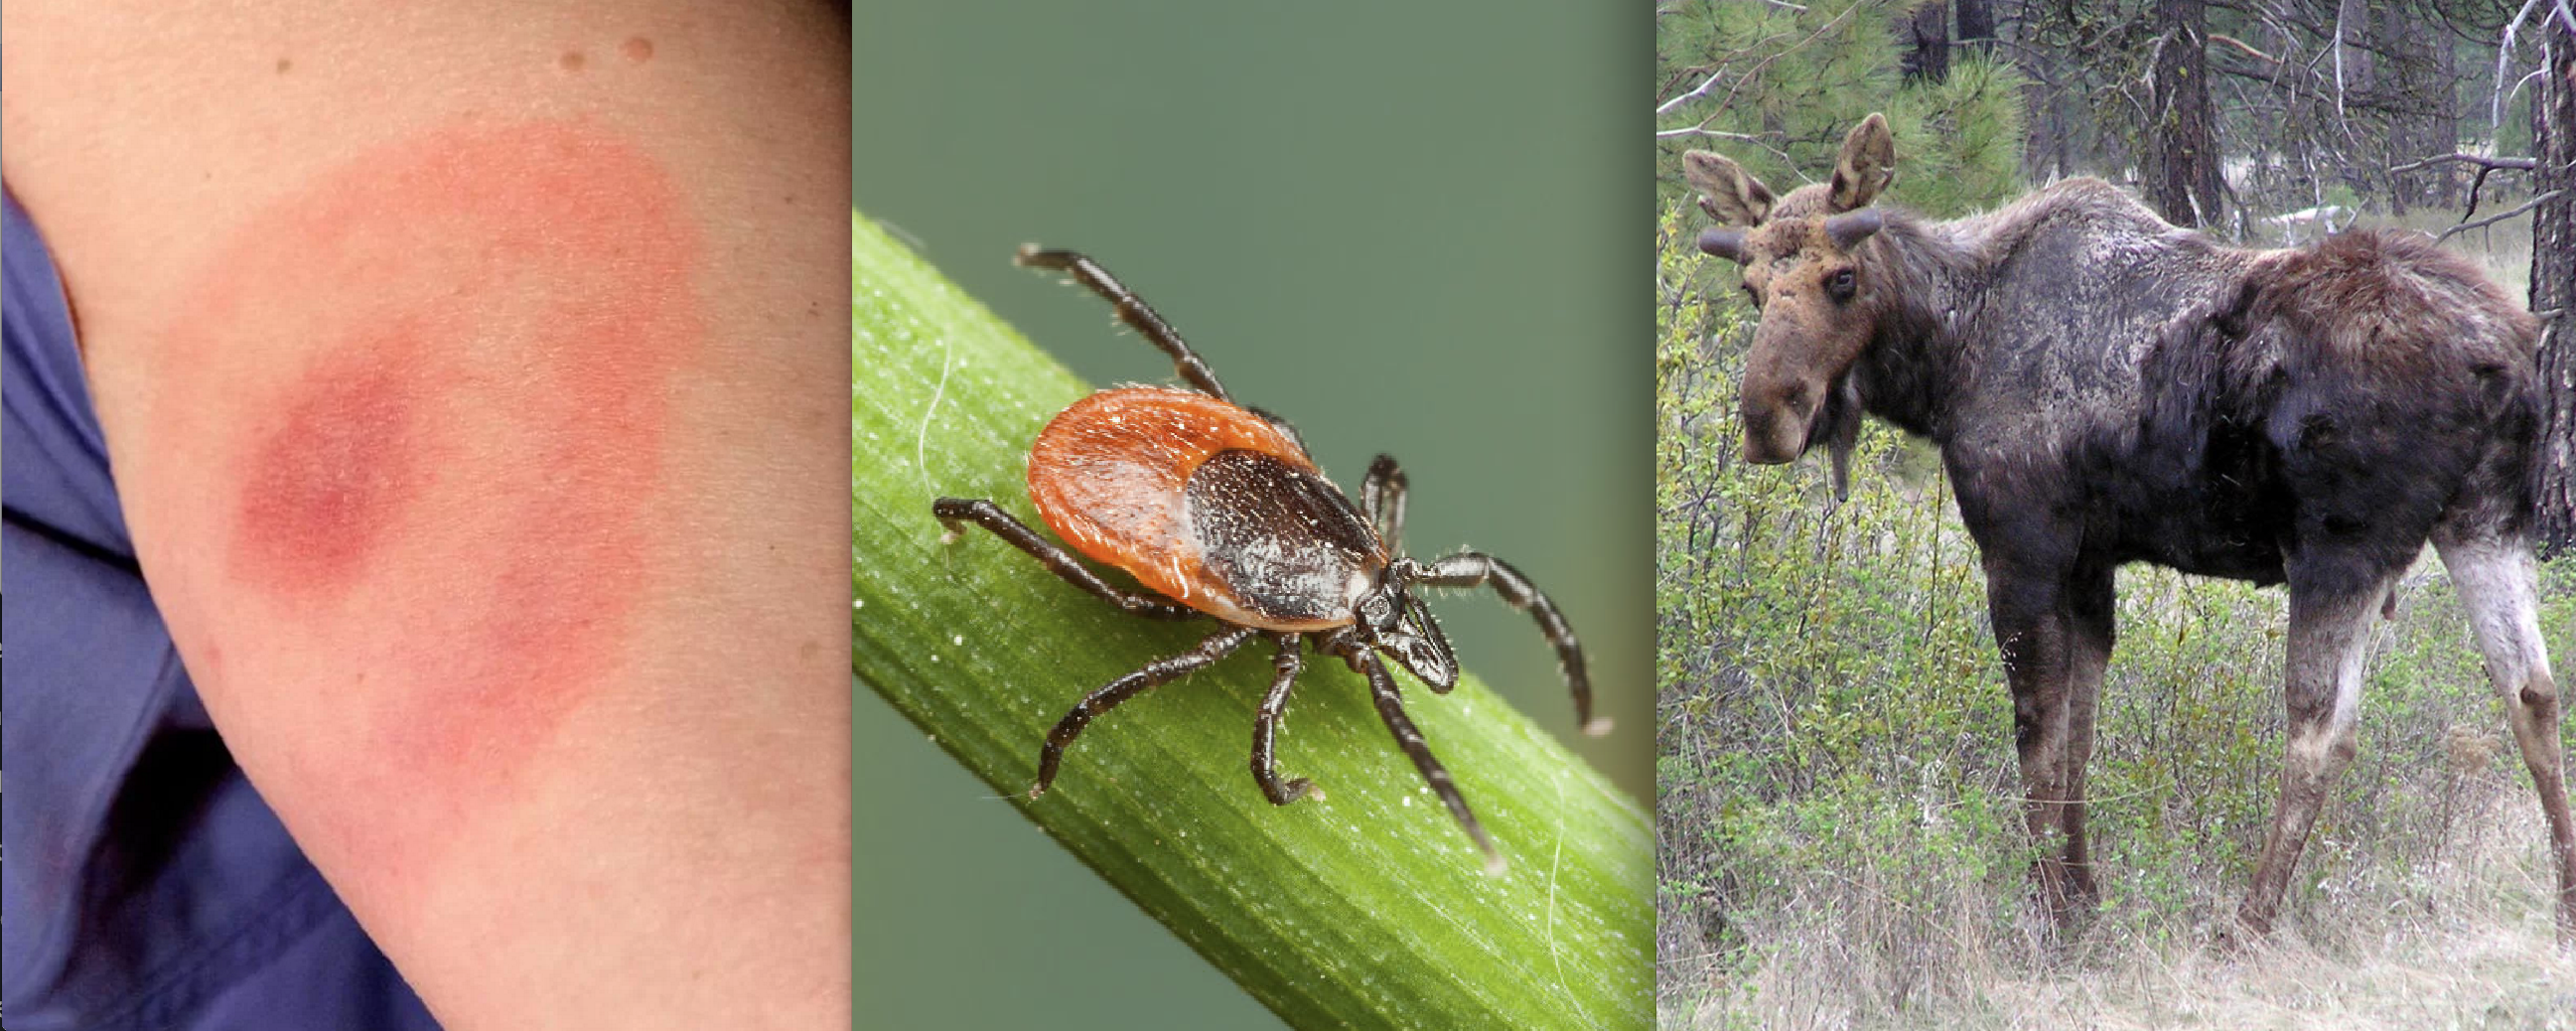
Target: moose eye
[[1841, 285]]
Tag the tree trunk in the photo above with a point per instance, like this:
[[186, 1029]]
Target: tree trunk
[[1924, 33], [2349, 63], [2553, 288], [2445, 137], [2352, 59], [1977, 26], [2043, 146], [2181, 152], [1974, 22], [2404, 128]]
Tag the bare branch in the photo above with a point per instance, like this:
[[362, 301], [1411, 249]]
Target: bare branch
[[2221, 37], [1694, 93], [2504, 53], [1694, 130], [2338, 59], [2493, 219], [2516, 93], [2473, 159]]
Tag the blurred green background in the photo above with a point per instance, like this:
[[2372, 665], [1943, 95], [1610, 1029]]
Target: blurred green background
[[1416, 229]]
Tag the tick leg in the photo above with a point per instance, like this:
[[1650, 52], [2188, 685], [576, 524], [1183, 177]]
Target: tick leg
[[1265, 729], [1382, 497], [1132, 310], [1160, 671], [1473, 569], [991, 517], [1390, 708]]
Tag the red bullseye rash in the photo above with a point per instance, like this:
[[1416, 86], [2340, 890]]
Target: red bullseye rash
[[451, 501], [323, 491]]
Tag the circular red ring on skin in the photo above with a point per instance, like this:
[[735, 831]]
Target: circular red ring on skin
[[451, 499]]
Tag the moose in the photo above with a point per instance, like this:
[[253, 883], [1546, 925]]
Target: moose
[[2106, 388]]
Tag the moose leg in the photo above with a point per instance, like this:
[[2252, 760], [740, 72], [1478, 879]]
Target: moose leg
[[2329, 632], [2092, 607], [2494, 577], [2054, 633]]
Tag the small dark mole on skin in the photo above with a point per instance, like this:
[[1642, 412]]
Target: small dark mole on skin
[[638, 49], [571, 60], [284, 66]]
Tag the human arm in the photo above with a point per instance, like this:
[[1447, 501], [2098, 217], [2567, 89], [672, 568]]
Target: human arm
[[472, 377]]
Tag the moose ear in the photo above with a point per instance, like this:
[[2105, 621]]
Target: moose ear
[[1727, 192], [1867, 165]]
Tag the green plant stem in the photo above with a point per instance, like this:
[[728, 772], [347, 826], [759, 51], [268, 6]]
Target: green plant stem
[[1368, 908]]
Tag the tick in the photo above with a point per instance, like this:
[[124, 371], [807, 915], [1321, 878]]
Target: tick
[[1217, 512]]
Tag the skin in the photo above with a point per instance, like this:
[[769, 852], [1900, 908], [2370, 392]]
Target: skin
[[471, 377], [571, 251]]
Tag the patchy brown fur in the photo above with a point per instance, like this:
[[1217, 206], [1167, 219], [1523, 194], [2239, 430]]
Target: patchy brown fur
[[2391, 305]]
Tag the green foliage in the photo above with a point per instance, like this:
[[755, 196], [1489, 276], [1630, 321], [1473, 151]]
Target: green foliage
[[1826, 690], [1365, 908], [1837, 785], [1789, 83]]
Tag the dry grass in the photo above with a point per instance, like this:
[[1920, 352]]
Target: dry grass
[[2469, 946]]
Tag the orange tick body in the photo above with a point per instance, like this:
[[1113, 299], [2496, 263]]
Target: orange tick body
[[1152, 480], [1218, 512]]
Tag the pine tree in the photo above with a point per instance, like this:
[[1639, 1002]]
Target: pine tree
[[1776, 88]]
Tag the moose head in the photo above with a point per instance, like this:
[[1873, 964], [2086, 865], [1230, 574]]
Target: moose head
[[1805, 267]]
